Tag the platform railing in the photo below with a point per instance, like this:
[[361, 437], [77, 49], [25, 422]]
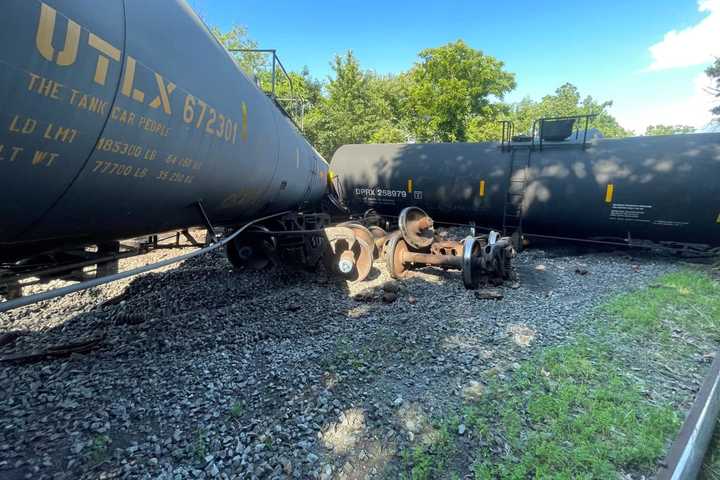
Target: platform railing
[[277, 69]]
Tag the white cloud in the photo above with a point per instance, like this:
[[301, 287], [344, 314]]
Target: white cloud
[[693, 109], [693, 45]]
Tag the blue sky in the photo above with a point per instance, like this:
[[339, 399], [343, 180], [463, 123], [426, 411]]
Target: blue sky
[[648, 56]]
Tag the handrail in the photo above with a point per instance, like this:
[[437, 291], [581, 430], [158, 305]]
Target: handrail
[[542, 121], [277, 63]]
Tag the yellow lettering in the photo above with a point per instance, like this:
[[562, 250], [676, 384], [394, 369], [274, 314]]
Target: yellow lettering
[[27, 127], [101, 69], [13, 125], [39, 157], [128, 79], [54, 94], [164, 96], [33, 78], [45, 86], [16, 151], [45, 31], [60, 134]]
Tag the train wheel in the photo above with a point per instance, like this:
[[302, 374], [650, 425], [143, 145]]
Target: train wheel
[[361, 231], [349, 254], [416, 227], [394, 251], [471, 274], [250, 250]]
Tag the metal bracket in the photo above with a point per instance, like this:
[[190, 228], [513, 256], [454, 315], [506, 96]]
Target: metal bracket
[[208, 224]]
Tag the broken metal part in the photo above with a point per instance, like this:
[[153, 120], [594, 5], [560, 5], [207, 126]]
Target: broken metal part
[[416, 227]]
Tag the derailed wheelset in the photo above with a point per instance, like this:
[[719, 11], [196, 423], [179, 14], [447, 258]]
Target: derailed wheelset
[[482, 259], [346, 250]]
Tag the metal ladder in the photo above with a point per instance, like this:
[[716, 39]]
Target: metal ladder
[[515, 193]]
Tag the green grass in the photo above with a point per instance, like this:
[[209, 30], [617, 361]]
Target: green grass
[[573, 411], [686, 300], [430, 458], [569, 413], [711, 467]]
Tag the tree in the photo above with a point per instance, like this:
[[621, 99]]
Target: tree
[[452, 88], [343, 116], [566, 101], [237, 37], [654, 130], [713, 72]]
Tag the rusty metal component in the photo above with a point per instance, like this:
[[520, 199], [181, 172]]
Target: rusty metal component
[[478, 258], [416, 227], [446, 247], [379, 238], [395, 256], [361, 231], [348, 254]]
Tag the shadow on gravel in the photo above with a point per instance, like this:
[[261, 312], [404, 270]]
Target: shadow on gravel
[[272, 374]]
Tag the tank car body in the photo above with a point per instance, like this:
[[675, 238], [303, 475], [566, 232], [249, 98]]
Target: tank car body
[[660, 189], [118, 119]]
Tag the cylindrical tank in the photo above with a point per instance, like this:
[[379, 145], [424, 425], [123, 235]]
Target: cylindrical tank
[[645, 188], [118, 117]]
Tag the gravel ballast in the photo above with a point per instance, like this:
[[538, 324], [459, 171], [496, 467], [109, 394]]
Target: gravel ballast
[[205, 372]]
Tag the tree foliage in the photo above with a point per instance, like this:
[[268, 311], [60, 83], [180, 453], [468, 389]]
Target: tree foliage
[[453, 93], [654, 130], [452, 88], [713, 71], [236, 38], [359, 107], [566, 101]]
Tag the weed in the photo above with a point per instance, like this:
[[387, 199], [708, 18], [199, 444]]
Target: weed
[[236, 410], [99, 449], [688, 300], [200, 446]]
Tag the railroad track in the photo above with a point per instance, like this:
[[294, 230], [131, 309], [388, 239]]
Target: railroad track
[[685, 459]]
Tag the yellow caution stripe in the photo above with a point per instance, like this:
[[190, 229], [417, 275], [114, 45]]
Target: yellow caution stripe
[[482, 188], [609, 193], [410, 185], [718, 219]]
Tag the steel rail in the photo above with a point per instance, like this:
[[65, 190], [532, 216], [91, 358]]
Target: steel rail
[[58, 292], [685, 459]]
